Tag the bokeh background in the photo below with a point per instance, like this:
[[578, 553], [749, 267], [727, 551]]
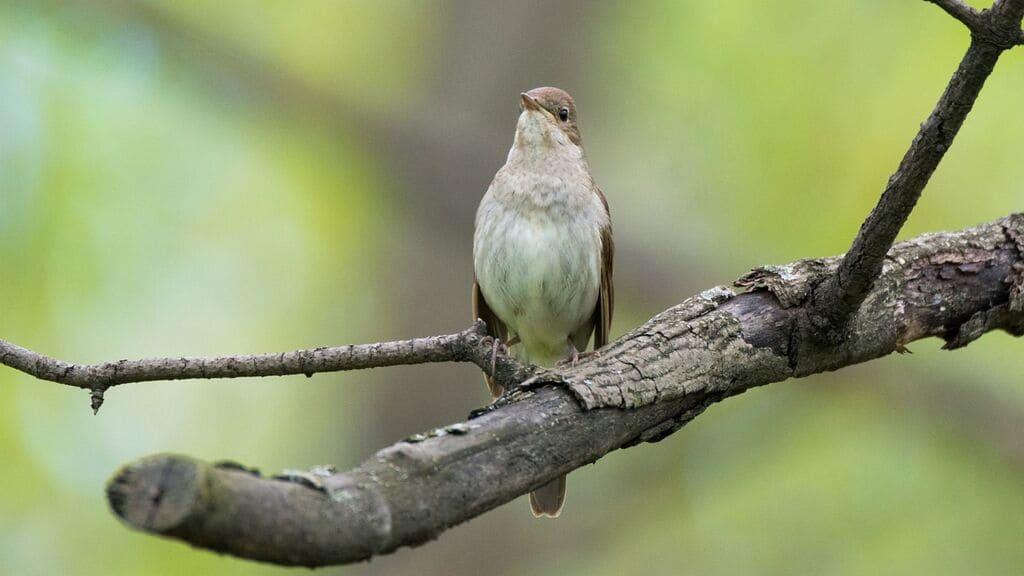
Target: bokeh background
[[199, 178]]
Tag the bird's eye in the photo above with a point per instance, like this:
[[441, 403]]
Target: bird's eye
[[564, 114]]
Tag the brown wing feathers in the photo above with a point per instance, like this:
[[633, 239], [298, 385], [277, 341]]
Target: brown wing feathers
[[606, 296], [495, 328]]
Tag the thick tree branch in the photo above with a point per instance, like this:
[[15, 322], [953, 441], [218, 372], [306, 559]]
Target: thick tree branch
[[953, 285], [992, 32], [470, 345]]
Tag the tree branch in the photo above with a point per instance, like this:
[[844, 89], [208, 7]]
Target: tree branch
[[992, 32], [470, 345], [711, 347], [962, 12]]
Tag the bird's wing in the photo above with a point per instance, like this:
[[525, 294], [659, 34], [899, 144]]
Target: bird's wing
[[495, 328], [606, 294]]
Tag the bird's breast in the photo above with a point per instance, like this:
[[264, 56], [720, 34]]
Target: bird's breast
[[537, 258]]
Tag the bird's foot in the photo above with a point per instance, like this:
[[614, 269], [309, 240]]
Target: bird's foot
[[573, 358], [497, 346]]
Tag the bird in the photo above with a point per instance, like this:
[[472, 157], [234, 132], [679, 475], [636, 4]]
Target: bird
[[543, 251]]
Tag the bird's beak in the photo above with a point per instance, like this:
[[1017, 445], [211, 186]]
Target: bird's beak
[[530, 103]]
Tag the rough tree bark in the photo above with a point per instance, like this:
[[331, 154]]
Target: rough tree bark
[[775, 323]]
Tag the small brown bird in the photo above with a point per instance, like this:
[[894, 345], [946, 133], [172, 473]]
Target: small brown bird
[[542, 250]]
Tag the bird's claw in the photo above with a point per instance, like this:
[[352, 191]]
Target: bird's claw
[[496, 345], [574, 358]]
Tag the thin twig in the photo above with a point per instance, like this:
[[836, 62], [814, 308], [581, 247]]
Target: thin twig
[[962, 12], [465, 346]]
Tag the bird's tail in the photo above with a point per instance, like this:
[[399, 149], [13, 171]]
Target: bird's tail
[[547, 500]]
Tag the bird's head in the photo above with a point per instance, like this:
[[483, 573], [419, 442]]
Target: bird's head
[[548, 120]]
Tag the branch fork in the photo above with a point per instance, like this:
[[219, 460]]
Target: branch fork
[[993, 31]]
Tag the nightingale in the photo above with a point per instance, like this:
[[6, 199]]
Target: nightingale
[[542, 250]]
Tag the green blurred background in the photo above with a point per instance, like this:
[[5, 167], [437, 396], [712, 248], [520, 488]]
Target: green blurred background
[[195, 178]]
